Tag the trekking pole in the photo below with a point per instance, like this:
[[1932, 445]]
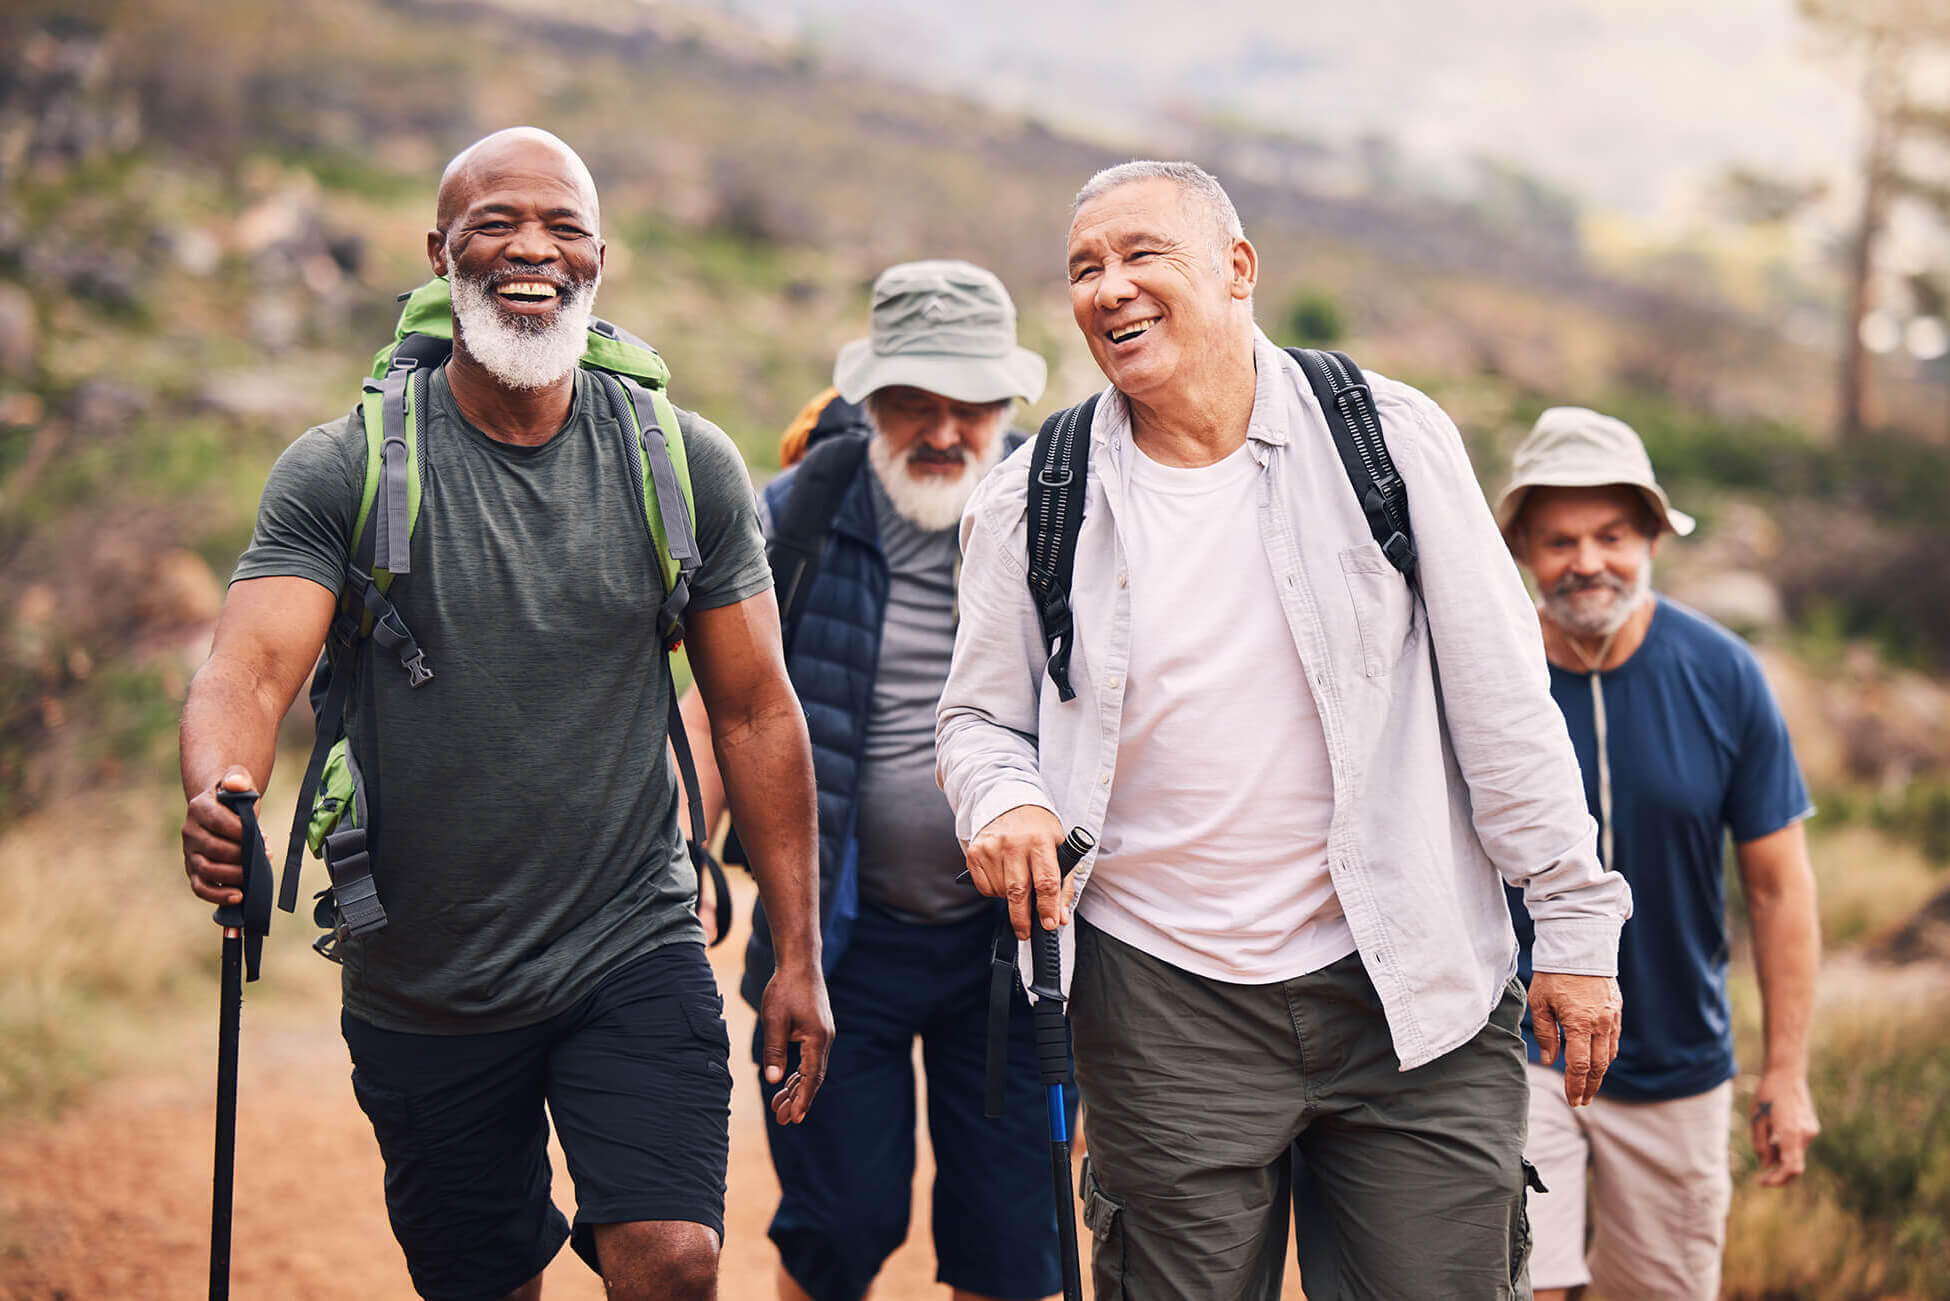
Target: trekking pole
[[244, 926], [1053, 1062]]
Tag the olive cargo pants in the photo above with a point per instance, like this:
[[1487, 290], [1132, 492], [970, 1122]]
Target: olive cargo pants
[[1196, 1091]]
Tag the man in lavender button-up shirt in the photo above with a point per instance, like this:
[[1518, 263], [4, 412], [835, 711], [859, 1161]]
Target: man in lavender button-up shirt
[[1309, 782]]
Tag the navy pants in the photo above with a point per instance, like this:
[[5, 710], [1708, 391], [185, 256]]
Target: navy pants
[[847, 1171]]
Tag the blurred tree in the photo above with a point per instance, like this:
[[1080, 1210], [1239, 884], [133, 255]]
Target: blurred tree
[[1893, 40], [1756, 198], [1315, 319]]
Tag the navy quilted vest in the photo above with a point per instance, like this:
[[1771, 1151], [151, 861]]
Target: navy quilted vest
[[834, 658]]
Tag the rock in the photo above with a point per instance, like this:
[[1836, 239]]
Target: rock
[[19, 331], [349, 251], [275, 322], [1741, 599], [1925, 937], [21, 410], [196, 250], [108, 406], [252, 396], [181, 590]]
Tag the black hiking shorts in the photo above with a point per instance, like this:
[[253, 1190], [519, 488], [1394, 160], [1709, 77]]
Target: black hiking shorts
[[637, 1079]]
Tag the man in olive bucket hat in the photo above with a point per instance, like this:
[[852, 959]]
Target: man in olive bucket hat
[[869, 636], [1681, 743]]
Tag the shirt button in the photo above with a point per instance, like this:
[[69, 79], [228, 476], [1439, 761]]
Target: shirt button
[[1111, 682], [1103, 778], [1123, 580]]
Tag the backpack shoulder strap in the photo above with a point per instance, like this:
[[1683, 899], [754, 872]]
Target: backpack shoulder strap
[[382, 532], [670, 511], [804, 522], [390, 408], [1059, 472], [669, 508], [1349, 405]]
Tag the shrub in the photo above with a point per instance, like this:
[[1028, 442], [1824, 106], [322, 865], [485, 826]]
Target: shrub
[[1315, 319]]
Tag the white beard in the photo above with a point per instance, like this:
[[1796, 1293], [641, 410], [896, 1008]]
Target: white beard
[[1564, 610], [932, 502], [523, 353]]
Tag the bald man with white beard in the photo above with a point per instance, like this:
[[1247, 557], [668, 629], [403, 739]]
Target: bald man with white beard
[[542, 960]]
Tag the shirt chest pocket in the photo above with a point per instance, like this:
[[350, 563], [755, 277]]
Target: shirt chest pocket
[[1384, 607]]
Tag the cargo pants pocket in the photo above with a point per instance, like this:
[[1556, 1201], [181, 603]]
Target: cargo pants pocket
[[1103, 1215]]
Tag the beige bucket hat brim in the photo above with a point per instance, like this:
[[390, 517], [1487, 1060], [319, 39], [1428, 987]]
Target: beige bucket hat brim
[[945, 326], [1576, 447], [1018, 373]]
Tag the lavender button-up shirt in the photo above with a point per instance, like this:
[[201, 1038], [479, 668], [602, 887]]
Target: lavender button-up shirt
[[1452, 770]]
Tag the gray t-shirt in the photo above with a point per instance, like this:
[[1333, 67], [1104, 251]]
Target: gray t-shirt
[[526, 818], [908, 852]]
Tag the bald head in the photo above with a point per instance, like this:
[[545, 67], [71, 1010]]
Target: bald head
[[508, 154]]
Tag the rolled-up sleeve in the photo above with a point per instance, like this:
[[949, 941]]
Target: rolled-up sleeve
[[986, 724], [1526, 798]]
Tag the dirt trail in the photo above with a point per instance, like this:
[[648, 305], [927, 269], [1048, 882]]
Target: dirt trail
[[113, 1199]]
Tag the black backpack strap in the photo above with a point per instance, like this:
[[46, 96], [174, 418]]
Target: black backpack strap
[[804, 522], [325, 734], [1349, 405], [627, 396], [1002, 987], [680, 744], [359, 598], [1059, 472]]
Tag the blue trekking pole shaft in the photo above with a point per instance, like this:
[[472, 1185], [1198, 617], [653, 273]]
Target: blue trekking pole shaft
[[1053, 1061], [244, 925]]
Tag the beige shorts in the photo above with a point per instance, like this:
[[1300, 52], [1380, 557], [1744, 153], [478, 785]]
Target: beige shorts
[[1660, 1188]]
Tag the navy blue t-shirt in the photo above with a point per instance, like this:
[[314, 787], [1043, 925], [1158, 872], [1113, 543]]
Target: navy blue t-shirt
[[1698, 750]]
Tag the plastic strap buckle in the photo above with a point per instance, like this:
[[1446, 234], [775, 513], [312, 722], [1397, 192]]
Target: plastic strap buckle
[[417, 672]]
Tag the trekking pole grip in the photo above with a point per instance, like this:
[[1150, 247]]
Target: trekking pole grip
[[1046, 954], [251, 916]]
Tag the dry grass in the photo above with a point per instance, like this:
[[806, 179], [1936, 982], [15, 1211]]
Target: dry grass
[[1868, 883], [103, 951], [1871, 1219], [1796, 1242]]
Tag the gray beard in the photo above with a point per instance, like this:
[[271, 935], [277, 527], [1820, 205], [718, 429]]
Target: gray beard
[[521, 353], [936, 502], [1561, 607]]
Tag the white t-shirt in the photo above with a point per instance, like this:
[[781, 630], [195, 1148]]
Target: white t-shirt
[[1214, 849]]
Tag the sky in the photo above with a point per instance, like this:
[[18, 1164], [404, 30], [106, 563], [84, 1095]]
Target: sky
[[1632, 106]]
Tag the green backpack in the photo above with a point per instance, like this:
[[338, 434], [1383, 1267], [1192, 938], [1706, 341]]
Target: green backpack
[[334, 814]]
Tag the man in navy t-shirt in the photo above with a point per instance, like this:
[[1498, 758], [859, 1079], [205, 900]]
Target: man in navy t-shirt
[[1681, 744]]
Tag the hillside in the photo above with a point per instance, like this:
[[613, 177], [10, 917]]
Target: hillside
[[207, 207]]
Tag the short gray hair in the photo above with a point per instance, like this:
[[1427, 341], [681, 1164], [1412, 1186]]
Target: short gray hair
[[1193, 182]]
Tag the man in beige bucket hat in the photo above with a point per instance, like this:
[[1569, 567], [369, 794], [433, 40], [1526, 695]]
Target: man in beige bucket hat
[[1681, 743], [870, 627]]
